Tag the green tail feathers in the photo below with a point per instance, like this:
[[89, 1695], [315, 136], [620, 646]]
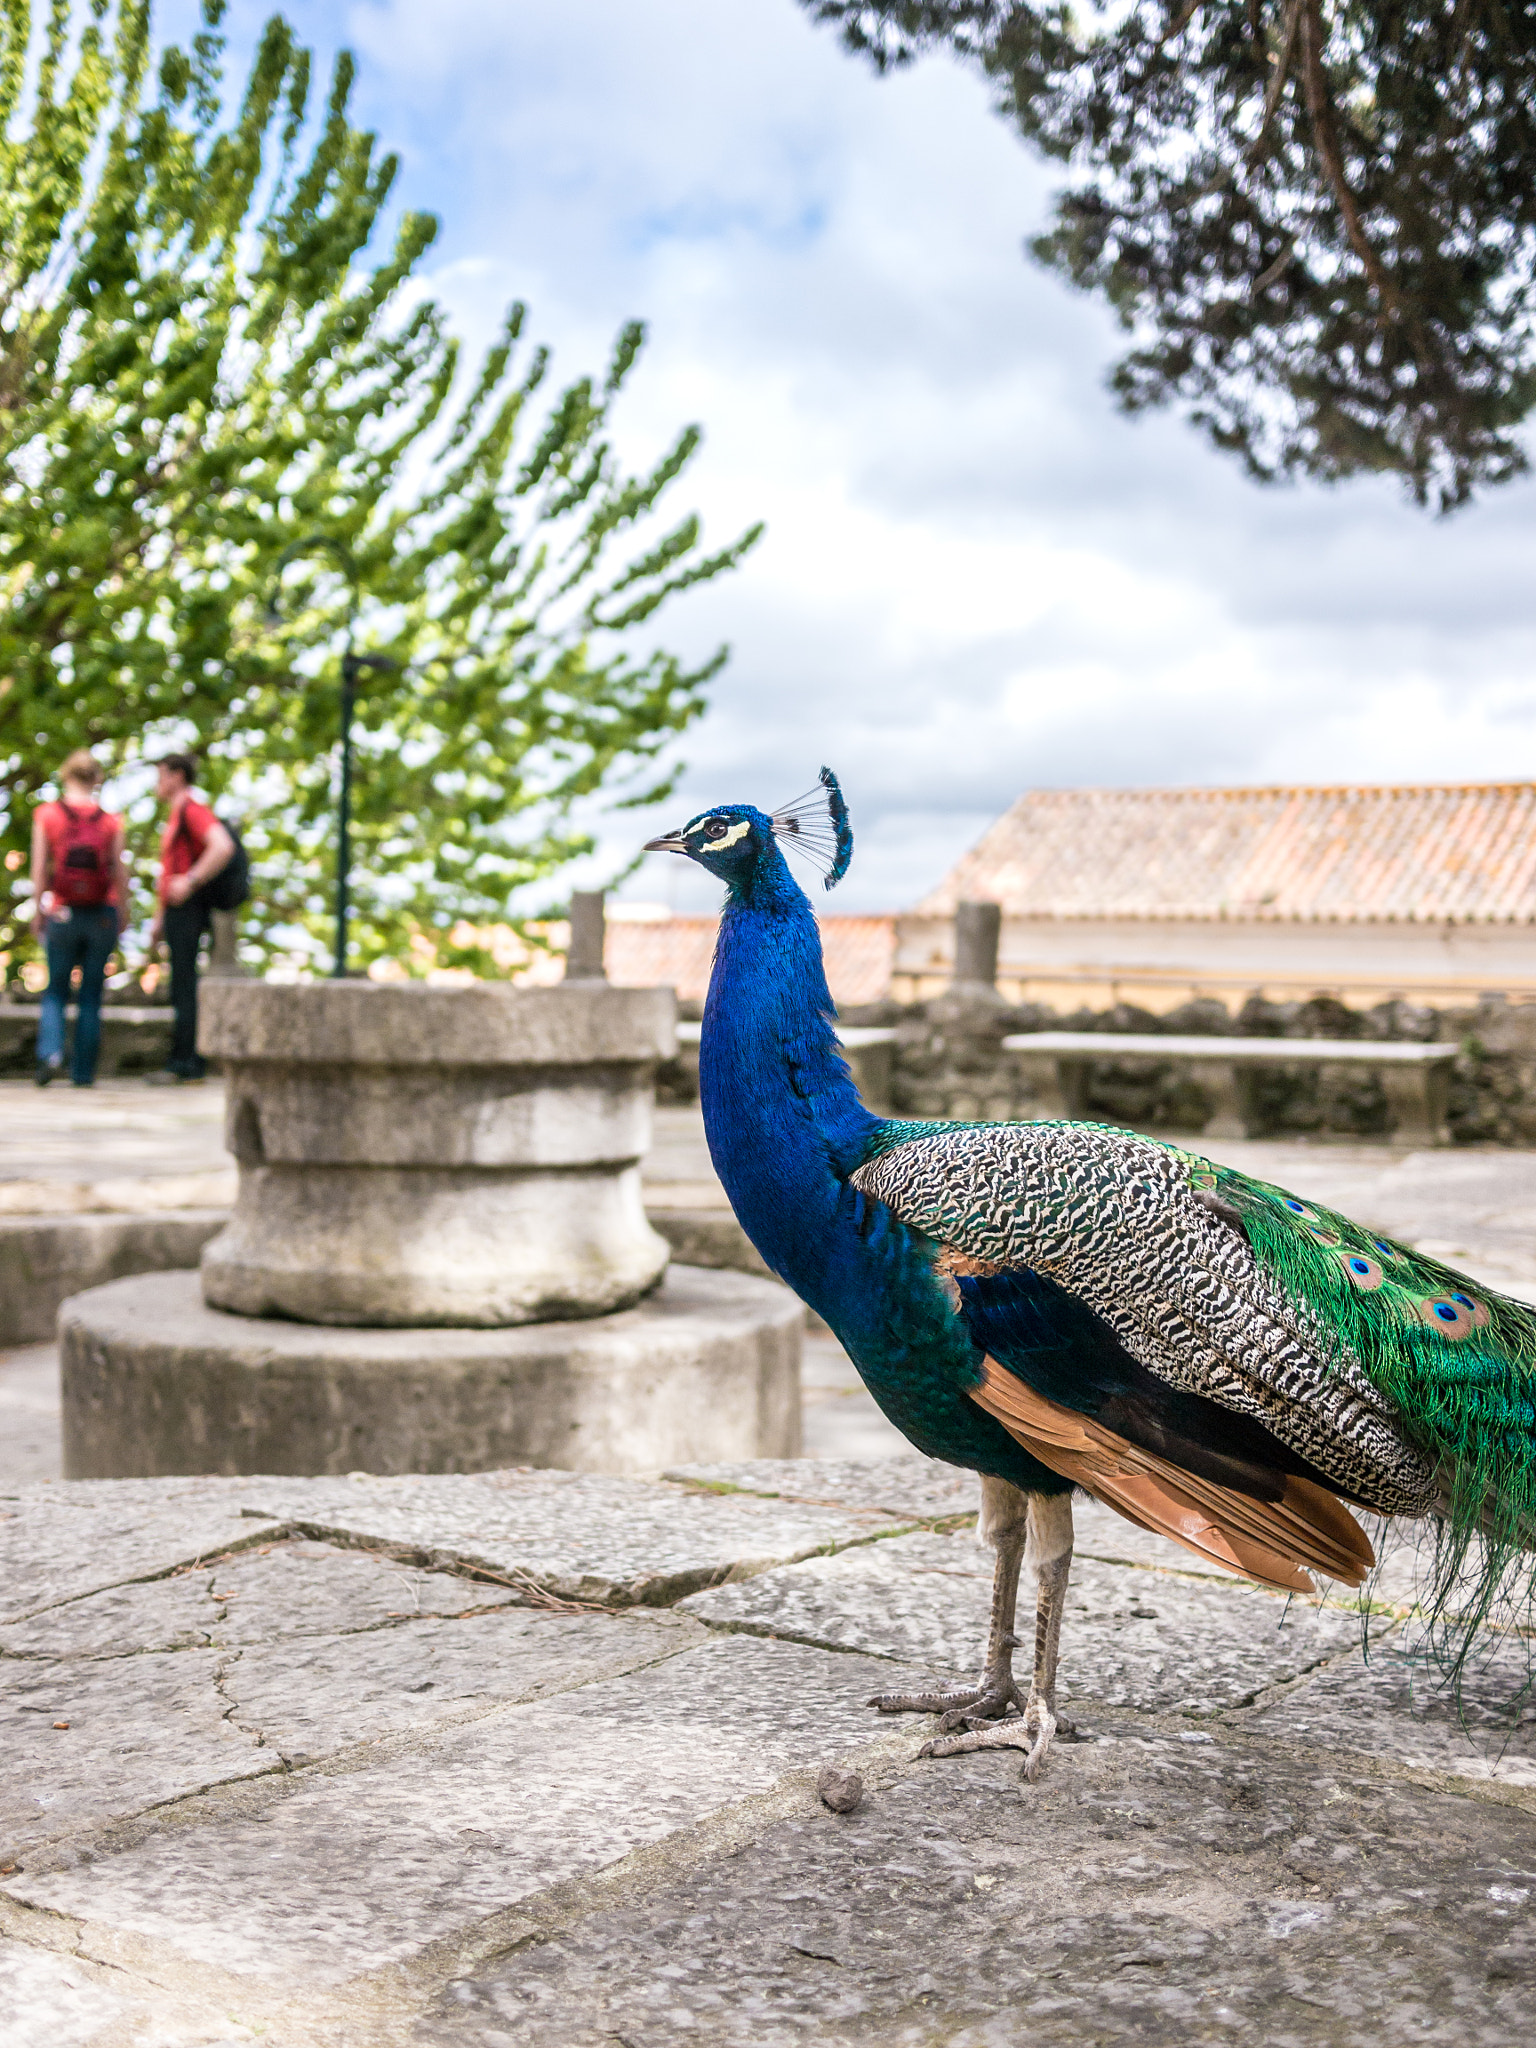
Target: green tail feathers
[[1457, 1361]]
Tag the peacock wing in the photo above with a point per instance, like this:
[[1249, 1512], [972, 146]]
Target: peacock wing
[[1122, 1224]]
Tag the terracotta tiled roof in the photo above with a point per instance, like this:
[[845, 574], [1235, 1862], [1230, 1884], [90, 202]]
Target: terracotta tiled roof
[[1431, 853], [677, 953]]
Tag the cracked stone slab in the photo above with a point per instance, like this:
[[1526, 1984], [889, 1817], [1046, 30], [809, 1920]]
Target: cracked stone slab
[[121, 1621], [141, 1730], [309, 1697], [293, 1587], [305, 1588], [581, 1535], [1399, 1704], [1143, 1891], [319, 1877], [1129, 1638], [63, 1541]]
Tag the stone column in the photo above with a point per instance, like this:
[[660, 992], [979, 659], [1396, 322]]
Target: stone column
[[223, 959], [1226, 1087], [978, 927], [414, 1155], [589, 931]]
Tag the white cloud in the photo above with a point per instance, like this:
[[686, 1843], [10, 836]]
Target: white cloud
[[977, 575]]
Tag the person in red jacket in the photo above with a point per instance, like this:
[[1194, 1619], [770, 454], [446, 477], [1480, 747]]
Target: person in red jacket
[[194, 847], [79, 908]]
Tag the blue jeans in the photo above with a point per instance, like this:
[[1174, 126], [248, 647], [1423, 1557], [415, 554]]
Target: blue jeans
[[83, 939]]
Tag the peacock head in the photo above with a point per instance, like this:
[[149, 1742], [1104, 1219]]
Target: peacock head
[[737, 842]]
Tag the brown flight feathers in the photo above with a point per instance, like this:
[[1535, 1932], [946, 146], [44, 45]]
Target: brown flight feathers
[[1265, 1540]]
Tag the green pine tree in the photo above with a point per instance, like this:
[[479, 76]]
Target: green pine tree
[[1318, 221], [200, 364]]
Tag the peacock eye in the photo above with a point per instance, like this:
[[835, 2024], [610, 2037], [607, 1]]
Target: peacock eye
[[714, 828]]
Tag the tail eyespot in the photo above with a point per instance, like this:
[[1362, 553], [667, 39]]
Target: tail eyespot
[[1367, 1274], [1321, 1234], [1453, 1315], [1393, 1255]]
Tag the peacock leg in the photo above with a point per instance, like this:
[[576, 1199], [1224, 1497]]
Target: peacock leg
[[1004, 1522], [1049, 1557]]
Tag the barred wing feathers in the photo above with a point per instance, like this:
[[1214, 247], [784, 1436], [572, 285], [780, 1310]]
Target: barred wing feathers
[[1122, 1224]]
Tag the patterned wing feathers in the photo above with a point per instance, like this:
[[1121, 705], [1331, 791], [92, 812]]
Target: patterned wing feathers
[[1270, 1541], [1115, 1220]]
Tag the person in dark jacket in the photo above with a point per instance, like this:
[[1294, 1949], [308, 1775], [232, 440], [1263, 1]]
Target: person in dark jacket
[[79, 908], [194, 847]]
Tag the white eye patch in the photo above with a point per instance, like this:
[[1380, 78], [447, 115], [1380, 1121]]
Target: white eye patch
[[729, 838]]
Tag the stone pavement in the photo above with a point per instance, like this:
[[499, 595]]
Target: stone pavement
[[526, 1758]]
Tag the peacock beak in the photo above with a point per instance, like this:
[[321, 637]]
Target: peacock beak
[[669, 842]]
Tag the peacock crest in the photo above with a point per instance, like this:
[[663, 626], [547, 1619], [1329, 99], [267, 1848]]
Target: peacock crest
[[816, 826]]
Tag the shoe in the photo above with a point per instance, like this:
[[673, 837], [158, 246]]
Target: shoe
[[48, 1070], [164, 1079], [82, 1084]]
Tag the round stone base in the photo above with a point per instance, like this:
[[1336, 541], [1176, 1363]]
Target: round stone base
[[706, 1370]]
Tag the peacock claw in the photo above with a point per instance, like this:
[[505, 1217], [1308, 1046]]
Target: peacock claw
[[959, 1706], [1032, 1731]]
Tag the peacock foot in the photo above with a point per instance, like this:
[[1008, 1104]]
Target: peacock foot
[[1032, 1731], [964, 1706]]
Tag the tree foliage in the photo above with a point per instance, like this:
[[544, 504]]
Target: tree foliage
[[198, 367], [1318, 217]]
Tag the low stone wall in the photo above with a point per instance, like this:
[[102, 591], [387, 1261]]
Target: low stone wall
[[950, 1062], [135, 1039], [45, 1259]]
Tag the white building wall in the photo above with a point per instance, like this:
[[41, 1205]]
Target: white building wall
[[1159, 965]]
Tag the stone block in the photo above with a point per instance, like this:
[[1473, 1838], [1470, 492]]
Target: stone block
[[155, 1382], [452, 1248], [704, 1237], [45, 1259], [487, 1024]]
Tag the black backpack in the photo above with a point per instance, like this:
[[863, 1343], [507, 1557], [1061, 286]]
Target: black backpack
[[231, 886]]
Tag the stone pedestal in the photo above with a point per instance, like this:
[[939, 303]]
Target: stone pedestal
[[438, 1261], [413, 1155], [706, 1368]]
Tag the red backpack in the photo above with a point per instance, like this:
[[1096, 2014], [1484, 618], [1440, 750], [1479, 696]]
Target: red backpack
[[80, 843]]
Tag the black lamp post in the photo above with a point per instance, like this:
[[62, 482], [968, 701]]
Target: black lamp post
[[352, 666]]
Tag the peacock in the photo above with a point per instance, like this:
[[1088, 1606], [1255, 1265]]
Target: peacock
[[1064, 1305]]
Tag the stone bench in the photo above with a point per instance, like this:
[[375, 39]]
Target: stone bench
[[870, 1050], [1414, 1078], [135, 1038]]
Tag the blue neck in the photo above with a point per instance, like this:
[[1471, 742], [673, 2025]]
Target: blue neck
[[786, 1128], [784, 1120]]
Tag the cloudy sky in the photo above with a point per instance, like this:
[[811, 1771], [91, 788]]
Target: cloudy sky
[[977, 576]]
